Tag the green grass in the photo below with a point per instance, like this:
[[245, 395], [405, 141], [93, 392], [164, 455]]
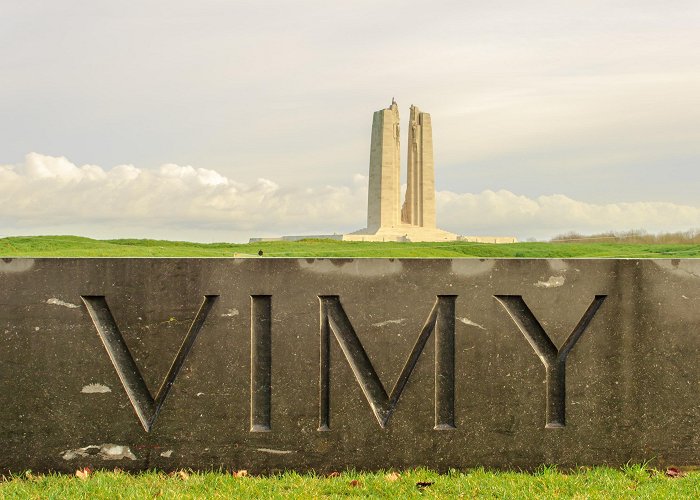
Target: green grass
[[598, 482], [74, 246]]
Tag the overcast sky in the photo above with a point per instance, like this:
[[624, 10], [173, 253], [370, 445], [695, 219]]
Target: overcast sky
[[221, 120]]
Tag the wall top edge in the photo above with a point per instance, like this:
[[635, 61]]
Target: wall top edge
[[10, 258]]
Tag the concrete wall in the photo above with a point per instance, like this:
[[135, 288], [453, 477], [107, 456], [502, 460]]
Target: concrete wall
[[270, 364]]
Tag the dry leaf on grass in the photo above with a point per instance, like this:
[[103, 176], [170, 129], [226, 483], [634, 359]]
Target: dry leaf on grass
[[240, 473], [182, 475], [673, 472], [355, 483], [392, 476], [83, 473], [334, 474]]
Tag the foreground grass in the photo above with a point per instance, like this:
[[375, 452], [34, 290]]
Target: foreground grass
[[74, 246], [598, 482]]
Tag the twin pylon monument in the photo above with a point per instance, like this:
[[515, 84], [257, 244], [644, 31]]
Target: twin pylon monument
[[388, 218]]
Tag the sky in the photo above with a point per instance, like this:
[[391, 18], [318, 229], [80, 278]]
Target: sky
[[222, 120]]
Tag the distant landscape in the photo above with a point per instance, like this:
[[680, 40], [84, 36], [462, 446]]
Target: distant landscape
[[571, 246]]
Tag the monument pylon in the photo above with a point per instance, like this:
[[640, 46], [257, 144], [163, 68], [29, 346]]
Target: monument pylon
[[387, 218], [384, 205], [419, 207]]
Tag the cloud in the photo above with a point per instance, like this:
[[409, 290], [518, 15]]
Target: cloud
[[52, 195], [578, 95], [505, 213], [47, 193]]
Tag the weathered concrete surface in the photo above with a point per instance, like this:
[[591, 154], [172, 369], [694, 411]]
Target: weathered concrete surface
[[631, 365]]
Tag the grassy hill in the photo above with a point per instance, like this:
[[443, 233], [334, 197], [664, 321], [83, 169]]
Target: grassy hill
[[74, 246]]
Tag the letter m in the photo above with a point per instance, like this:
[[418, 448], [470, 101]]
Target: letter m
[[441, 321]]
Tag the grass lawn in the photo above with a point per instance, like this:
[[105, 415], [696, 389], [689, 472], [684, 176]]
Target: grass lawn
[[598, 482], [74, 246]]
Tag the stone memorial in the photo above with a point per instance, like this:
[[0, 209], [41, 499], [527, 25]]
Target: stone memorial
[[327, 364], [414, 220], [387, 218]]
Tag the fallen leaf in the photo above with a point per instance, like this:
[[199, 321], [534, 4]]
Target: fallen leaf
[[183, 475], [355, 483], [240, 473], [83, 473], [673, 472], [334, 474], [423, 484], [392, 476]]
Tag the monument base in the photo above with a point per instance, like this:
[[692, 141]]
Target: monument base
[[333, 236], [406, 232], [403, 232]]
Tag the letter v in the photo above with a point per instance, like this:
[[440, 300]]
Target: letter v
[[553, 359], [146, 407]]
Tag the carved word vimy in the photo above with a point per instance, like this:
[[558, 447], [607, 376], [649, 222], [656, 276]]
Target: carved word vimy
[[273, 364]]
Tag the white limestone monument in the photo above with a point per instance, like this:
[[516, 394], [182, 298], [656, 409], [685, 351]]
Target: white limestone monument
[[387, 218], [414, 220]]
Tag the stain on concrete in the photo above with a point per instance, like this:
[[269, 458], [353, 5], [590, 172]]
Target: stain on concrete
[[467, 321], [356, 267], [15, 265], [471, 267], [95, 389], [275, 452], [58, 302], [107, 451], [557, 265], [552, 282], [686, 268], [390, 322]]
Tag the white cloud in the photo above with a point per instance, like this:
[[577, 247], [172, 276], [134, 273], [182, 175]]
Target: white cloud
[[51, 195], [552, 95], [505, 213]]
